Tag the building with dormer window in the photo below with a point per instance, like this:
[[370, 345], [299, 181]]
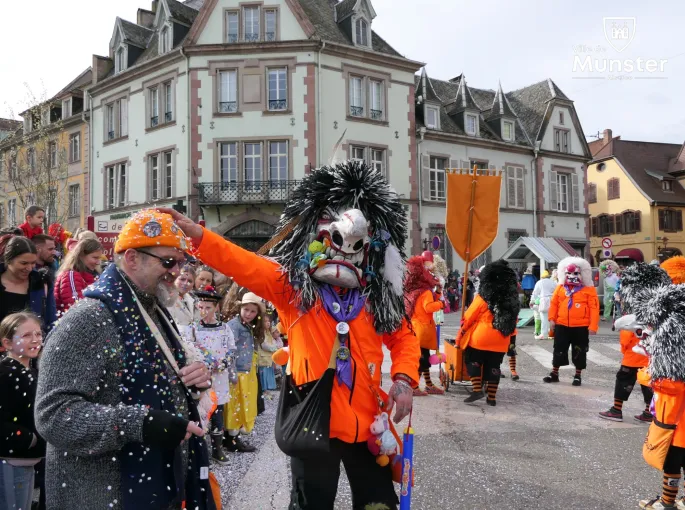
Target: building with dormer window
[[224, 105], [532, 134]]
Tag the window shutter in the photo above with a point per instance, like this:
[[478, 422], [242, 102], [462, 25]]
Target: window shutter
[[619, 222], [520, 188], [575, 193], [612, 224], [637, 221], [617, 188], [511, 187], [594, 227], [425, 177], [610, 189], [662, 219], [679, 221], [464, 164], [124, 117], [553, 198]]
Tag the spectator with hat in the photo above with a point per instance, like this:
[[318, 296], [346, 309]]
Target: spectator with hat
[[116, 398]]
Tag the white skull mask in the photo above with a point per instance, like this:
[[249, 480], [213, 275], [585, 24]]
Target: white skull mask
[[644, 333], [346, 242]]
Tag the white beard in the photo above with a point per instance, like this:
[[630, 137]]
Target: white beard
[[167, 296]]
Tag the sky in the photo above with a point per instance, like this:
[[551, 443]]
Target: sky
[[515, 42]]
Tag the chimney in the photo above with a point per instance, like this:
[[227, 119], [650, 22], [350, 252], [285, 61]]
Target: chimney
[[146, 18], [101, 67], [607, 136], [155, 4]]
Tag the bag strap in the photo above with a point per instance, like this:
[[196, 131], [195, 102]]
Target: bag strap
[[74, 294]]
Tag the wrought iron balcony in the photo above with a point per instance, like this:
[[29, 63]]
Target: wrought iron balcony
[[154, 121], [168, 116], [377, 114], [251, 37], [232, 38], [110, 135], [270, 36], [357, 111], [245, 192], [278, 104], [228, 107]]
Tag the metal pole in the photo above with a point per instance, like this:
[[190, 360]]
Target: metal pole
[[468, 243]]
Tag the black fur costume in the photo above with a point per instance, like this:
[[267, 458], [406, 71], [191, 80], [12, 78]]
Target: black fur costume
[[499, 289], [636, 279]]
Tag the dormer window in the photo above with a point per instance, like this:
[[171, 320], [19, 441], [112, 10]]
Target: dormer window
[[471, 124], [361, 31], [508, 130], [120, 59], [667, 185], [66, 108], [165, 40], [432, 117]]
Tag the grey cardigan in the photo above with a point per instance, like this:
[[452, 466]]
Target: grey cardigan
[[79, 410]]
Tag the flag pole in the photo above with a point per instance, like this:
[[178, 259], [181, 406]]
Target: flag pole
[[469, 231]]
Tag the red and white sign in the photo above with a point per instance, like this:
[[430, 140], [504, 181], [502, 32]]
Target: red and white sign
[[607, 243]]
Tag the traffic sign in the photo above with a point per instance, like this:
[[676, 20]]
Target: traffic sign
[[607, 254], [607, 243], [436, 243]]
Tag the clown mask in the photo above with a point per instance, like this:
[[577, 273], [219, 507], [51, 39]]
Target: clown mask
[[341, 247], [573, 276]]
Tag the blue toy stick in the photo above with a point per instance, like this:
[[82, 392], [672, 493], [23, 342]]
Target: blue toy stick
[[407, 467]]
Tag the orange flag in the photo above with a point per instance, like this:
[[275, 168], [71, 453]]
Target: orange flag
[[468, 192]]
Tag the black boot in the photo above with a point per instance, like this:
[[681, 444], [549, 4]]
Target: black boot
[[552, 377], [218, 453], [475, 395], [235, 444], [576, 380]]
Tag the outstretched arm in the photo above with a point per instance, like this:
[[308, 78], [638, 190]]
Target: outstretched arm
[[405, 353]]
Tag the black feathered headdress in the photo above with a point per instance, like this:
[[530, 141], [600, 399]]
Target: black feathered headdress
[[636, 279], [348, 185], [499, 289]]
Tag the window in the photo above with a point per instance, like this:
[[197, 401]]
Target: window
[[592, 193], [436, 178], [378, 160], [432, 117], [270, 25], [562, 140], [116, 119], [601, 167], [154, 107], [31, 157], [514, 235], [516, 194], [667, 185], [109, 114], [31, 198], [13, 166], [154, 177], [372, 156], [51, 213], [12, 212], [278, 161], [74, 200], [471, 124], [629, 222], [670, 220], [376, 99], [165, 40], [168, 175], [75, 148], [252, 165], [228, 92], [168, 100], [561, 118], [479, 165], [358, 154], [362, 32], [232, 27], [116, 186], [161, 175], [508, 130], [606, 225], [613, 189], [228, 162], [120, 60], [251, 23], [66, 108], [52, 154], [562, 192], [356, 97], [278, 98]]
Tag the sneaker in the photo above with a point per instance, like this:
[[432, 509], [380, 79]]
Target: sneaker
[[612, 414], [419, 393], [514, 376], [655, 504], [646, 417], [576, 380], [235, 444], [491, 402], [552, 377], [434, 390], [539, 337], [680, 504], [475, 395]]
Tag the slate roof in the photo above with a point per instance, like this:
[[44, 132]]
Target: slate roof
[[500, 106], [181, 12], [344, 9], [320, 14], [194, 4], [464, 99], [135, 34], [77, 84], [9, 126], [640, 159]]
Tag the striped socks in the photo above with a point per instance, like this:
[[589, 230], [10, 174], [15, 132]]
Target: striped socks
[[427, 378], [477, 383], [492, 390], [578, 372], [669, 489], [618, 404], [555, 371], [512, 365]]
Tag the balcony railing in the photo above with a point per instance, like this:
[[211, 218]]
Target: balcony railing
[[232, 38], [228, 107], [278, 104], [251, 37], [110, 135], [168, 116], [154, 121], [377, 114], [245, 192], [357, 111], [270, 36]]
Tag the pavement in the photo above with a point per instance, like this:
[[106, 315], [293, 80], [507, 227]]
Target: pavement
[[543, 446]]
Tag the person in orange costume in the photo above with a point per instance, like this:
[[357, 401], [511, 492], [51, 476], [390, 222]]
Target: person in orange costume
[[634, 280], [421, 300], [487, 328], [337, 267], [573, 316]]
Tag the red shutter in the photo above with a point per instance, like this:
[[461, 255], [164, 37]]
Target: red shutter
[[637, 221], [662, 219], [679, 221], [594, 227], [619, 219]]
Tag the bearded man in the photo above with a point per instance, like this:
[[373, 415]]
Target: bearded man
[[116, 395], [336, 281]]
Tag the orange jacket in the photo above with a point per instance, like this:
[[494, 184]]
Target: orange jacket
[[311, 337], [422, 320], [478, 330], [630, 358], [583, 313], [669, 400]]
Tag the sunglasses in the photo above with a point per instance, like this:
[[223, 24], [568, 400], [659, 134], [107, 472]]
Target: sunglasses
[[167, 263]]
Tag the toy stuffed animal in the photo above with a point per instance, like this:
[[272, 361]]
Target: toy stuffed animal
[[382, 443]]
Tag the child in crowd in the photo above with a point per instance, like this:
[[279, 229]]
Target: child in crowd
[[183, 310], [21, 448], [248, 331], [203, 277], [34, 216], [215, 341], [78, 271], [270, 345]]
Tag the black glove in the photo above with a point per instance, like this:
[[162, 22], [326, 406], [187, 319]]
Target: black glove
[[161, 428]]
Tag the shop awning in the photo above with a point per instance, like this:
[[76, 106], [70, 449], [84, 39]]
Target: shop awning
[[551, 250], [631, 253]]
